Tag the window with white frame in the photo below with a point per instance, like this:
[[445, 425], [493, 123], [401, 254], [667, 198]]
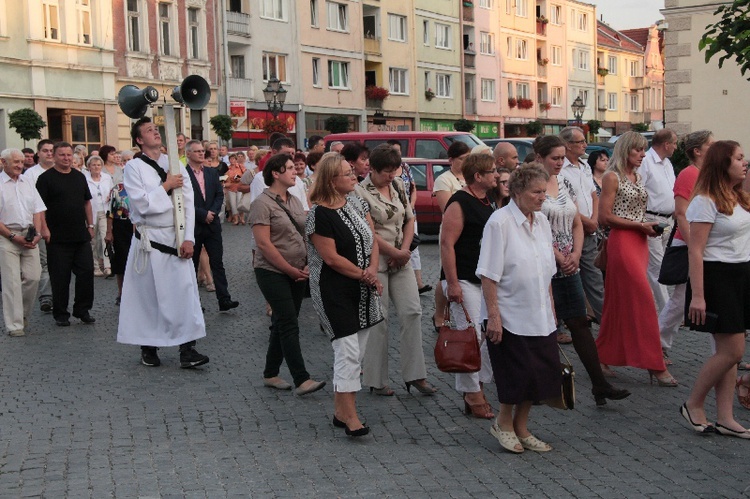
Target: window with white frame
[[337, 19], [488, 90], [194, 31], [51, 21], [486, 43], [398, 81], [509, 45], [134, 25], [522, 91], [582, 21], [557, 96], [274, 66], [612, 64], [442, 36], [316, 72], [635, 68], [555, 14], [83, 11], [273, 9], [238, 66], [427, 80], [508, 6], [165, 28], [583, 60], [612, 101], [485, 4], [522, 49], [426, 33], [396, 28], [635, 104], [338, 74], [510, 89], [556, 55], [584, 95], [522, 8], [443, 85], [314, 13]]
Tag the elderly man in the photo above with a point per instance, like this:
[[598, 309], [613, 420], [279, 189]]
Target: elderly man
[[21, 211], [657, 176], [579, 174], [337, 146], [505, 155]]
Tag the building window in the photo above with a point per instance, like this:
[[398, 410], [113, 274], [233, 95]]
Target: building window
[[583, 60], [635, 68], [486, 43], [273, 9], [555, 14], [274, 66], [508, 6], [314, 13], [194, 33], [337, 20], [612, 64], [86, 130], [488, 90], [51, 21], [83, 8], [612, 101], [427, 79], [522, 91], [165, 28], [398, 81], [556, 55], [316, 72], [582, 21], [510, 89], [557, 96], [238, 66], [396, 28], [584, 95], [443, 85], [485, 4], [522, 49], [134, 26], [522, 8], [634, 103], [338, 74], [442, 36], [426, 33], [509, 44]]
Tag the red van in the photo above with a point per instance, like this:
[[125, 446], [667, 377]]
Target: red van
[[425, 171], [429, 145]]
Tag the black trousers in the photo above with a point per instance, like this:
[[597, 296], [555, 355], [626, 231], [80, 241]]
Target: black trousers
[[212, 241], [64, 259]]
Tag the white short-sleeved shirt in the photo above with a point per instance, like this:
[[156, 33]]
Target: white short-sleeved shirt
[[580, 177], [448, 182], [19, 201], [658, 178], [258, 185], [519, 257], [729, 239]]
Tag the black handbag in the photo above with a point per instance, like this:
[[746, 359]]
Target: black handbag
[[567, 398], [675, 267]]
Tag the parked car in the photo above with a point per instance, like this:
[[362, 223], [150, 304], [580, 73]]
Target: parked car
[[430, 145], [595, 146], [648, 135], [425, 171], [524, 145]]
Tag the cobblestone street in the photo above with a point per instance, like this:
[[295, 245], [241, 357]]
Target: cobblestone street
[[81, 417]]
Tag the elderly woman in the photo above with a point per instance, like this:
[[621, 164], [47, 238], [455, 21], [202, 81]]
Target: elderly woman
[[343, 280], [719, 216], [231, 188], [465, 215], [516, 264], [100, 185], [629, 332], [567, 289], [394, 229], [112, 166], [277, 219]]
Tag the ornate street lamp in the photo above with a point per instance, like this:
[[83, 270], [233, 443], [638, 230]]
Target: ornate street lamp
[[578, 106], [275, 95]]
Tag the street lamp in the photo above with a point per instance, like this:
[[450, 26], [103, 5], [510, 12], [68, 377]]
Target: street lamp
[[275, 95], [578, 106]]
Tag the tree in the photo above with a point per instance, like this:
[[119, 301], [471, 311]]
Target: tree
[[27, 123], [463, 125], [338, 123], [639, 127], [222, 126], [594, 126], [730, 36], [534, 128]]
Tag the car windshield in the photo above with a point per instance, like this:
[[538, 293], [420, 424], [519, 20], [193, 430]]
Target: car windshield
[[468, 139]]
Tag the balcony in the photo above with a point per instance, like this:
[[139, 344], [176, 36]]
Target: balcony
[[241, 88], [238, 23], [541, 28], [470, 106], [636, 82], [372, 46], [470, 59], [468, 13], [541, 70]]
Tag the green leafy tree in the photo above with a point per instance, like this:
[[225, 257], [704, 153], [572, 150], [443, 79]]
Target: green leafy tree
[[27, 123], [534, 128], [338, 123], [463, 125], [594, 126], [730, 35], [679, 158], [221, 124], [639, 127]]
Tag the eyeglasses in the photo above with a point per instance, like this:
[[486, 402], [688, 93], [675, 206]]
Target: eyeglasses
[[577, 141], [350, 173]]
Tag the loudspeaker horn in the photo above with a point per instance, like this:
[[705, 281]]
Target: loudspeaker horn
[[134, 102], [193, 92]]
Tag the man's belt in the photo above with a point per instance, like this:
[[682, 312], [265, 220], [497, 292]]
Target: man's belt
[[158, 246], [656, 213]]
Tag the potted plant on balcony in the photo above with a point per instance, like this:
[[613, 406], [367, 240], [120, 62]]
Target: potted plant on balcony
[[512, 102], [545, 106], [602, 71], [376, 93], [429, 94], [468, 3], [525, 103], [542, 61], [542, 20]]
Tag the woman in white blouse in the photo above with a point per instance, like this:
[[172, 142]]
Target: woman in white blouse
[[100, 185], [719, 217], [516, 264]]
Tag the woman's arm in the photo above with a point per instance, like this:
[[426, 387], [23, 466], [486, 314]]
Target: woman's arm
[[680, 208], [453, 226], [442, 198], [606, 203], [262, 235], [698, 236], [494, 332], [326, 247]]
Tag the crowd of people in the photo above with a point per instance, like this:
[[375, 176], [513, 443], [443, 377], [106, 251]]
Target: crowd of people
[[557, 240]]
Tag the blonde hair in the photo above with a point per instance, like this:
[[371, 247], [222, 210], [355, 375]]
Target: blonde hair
[[626, 143], [322, 190]]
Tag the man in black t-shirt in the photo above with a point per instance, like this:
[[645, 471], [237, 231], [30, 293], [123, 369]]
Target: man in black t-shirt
[[70, 228]]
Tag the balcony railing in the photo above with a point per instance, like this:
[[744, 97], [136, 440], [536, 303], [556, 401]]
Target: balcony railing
[[468, 14], [470, 106], [240, 88], [372, 46], [470, 59], [238, 23], [541, 28], [636, 82], [541, 71]]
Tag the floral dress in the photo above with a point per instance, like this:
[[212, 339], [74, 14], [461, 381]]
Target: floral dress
[[561, 212]]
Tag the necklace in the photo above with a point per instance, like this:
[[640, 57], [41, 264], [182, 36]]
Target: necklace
[[484, 201]]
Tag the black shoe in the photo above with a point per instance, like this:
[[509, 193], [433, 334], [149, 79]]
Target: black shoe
[[62, 322], [85, 318], [117, 301], [190, 358], [425, 289], [227, 304], [611, 393], [46, 306], [359, 432], [149, 357]]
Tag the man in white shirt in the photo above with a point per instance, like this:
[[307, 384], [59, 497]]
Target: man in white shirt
[[44, 150], [21, 210], [579, 174], [657, 176]]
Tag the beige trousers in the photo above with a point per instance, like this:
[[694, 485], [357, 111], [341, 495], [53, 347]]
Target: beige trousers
[[20, 271]]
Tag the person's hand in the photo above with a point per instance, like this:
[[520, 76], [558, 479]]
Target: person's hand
[[697, 312], [402, 257], [378, 287], [494, 332], [298, 274], [210, 217], [369, 277], [454, 292], [45, 233], [172, 182], [648, 228], [589, 226], [186, 250], [91, 232], [31, 244], [108, 237]]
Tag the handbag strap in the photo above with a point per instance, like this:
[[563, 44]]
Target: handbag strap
[[289, 214], [563, 354], [447, 314], [671, 235]]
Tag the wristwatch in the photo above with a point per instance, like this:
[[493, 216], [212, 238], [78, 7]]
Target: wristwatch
[[11, 236], [90, 226]]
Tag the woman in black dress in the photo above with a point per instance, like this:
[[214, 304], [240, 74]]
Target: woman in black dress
[[343, 260]]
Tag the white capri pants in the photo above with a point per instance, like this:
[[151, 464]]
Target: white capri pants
[[232, 199], [469, 382], [348, 353]]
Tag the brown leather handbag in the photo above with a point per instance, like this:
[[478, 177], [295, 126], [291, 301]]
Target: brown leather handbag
[[457, 350]]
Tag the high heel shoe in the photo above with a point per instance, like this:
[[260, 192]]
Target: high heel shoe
[[422, 387], [338, 423], [384, 391], [481, 410], [699, 427], [612, 393], [665, 381], [359, 432]]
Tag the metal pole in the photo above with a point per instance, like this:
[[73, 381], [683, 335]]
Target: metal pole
[[174, 169]]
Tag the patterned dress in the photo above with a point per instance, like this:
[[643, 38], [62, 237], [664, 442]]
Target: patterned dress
[[561, 212]]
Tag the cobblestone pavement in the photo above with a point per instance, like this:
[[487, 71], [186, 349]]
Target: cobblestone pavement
[[80, 417]]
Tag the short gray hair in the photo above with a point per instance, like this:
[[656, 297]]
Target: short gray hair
[[92, 159], [566, 134], [8, 153], [524, 175], [127, 154]]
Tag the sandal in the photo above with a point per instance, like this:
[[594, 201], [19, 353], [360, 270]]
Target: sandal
[[667, 361], [743, 390], [564, 339], [743, 366], [384, 391], [481, 410], [533, 443], [507, 439]]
